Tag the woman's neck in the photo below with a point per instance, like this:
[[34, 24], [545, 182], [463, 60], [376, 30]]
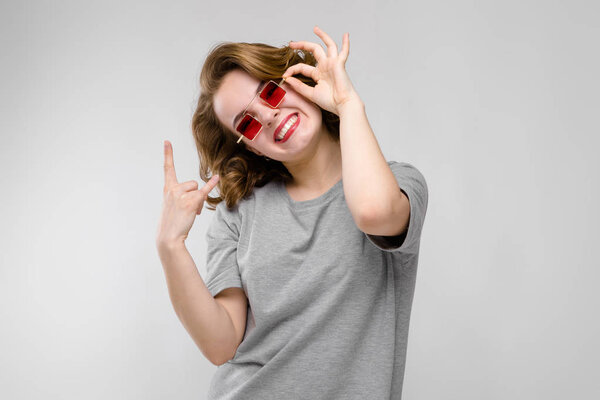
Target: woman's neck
[[317, 174]]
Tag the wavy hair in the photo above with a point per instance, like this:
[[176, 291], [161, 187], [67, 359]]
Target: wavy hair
[[239, 169]]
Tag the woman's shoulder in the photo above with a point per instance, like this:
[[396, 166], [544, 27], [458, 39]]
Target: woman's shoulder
[[246, 203], [404, 169]]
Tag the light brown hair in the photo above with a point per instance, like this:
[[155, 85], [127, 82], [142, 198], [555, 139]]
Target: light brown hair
[[240, 169]]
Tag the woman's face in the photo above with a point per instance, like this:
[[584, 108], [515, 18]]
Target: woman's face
[[237, 91]]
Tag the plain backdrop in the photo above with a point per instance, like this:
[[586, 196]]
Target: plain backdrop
[[495, 102]]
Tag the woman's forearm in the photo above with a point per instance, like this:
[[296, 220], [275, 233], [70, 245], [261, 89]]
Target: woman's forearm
[[370, 187], [207, 322]]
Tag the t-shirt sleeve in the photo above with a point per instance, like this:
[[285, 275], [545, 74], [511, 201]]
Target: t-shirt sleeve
[[413, 184], [222, 238]]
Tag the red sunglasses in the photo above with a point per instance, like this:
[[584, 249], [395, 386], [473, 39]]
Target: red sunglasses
[[272, 94]]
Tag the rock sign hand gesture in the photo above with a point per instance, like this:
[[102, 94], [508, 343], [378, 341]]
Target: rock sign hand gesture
[[181, 203]]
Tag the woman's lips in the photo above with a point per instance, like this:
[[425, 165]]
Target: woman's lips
[[291, 130]]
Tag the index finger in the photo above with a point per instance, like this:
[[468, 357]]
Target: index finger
[[170, 176], [314, 48]]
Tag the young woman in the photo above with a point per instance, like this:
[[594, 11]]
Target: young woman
[[312, 253]]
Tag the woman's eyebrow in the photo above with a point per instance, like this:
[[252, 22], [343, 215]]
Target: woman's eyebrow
[[242, 112]]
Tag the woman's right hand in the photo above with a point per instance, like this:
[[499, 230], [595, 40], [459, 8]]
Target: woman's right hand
[[181, 203]]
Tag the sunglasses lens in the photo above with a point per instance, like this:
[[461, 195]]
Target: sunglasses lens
[[272, 94], [249, 127]]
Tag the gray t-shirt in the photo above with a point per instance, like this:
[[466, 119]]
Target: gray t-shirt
[[328, 305]]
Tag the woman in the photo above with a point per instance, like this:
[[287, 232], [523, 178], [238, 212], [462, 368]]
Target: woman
[[312, 253]]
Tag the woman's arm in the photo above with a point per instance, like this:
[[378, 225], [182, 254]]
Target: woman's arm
[[372, 193], [206, 321], [376, 202]]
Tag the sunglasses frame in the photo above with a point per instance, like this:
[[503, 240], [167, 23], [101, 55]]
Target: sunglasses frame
[[244, 113]]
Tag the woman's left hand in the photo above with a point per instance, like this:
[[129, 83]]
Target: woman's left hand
[[333, 88]]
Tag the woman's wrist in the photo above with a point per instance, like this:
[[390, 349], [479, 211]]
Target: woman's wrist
[[352, 105], [170, 245]]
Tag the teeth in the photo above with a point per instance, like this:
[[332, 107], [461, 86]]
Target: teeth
[[287, 126]]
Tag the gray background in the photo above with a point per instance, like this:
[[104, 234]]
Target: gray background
[[493, 101]]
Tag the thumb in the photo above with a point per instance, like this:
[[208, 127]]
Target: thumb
[[205, 190], [201, 199], [300, 87]]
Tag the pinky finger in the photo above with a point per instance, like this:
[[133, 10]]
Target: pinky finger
[[345, 47]]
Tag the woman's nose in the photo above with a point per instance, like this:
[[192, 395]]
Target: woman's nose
[[270, 115]]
